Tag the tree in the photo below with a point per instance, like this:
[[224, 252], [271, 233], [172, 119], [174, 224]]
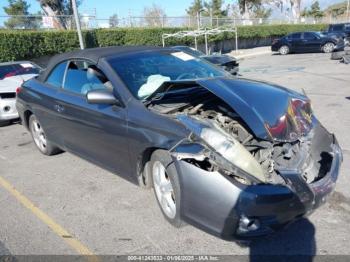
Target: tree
[[214, 9], [261, 12], [304, 13], [287, 6], [17, 9], [58, 9], [113, 20], [154, 16], [336, 10], [254, 9], [295, 7], [234, 11], [195, 8], [247, 6], [314, 11]]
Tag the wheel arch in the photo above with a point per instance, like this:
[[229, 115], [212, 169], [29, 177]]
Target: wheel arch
[[143, 175]]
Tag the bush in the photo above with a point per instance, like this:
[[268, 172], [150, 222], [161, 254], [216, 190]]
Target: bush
[[22, 44]]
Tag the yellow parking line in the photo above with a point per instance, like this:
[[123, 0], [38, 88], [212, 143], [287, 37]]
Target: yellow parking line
[[56, 228]]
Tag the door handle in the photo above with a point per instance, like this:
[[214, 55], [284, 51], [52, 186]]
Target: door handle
[[59, 108]]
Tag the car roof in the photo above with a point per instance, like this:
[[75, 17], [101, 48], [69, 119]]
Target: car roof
[[93, 54], [340, 24], [15, 63]]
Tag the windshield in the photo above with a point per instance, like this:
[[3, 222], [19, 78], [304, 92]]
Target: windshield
[[17, 69], [143, 73]]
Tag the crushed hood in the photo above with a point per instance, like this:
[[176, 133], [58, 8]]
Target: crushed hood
[[272, 112]]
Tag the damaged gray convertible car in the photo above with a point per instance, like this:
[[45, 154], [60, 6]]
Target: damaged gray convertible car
[[236, 158]]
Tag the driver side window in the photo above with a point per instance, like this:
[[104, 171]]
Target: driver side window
[[309, 36], [296, 36], [83, 76]]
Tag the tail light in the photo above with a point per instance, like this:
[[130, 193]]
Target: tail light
[[18, 90]]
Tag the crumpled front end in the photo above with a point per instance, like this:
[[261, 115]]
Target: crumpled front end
[[216, 195], [255, 159]]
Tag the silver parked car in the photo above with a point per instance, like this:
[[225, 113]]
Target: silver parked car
[[12, 75]]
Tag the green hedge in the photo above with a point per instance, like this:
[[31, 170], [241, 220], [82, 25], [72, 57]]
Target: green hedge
[[21, 44]]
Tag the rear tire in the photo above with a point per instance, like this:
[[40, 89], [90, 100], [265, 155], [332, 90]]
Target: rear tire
[[328, 47], [284, 50], [166, 186], [40, 138]]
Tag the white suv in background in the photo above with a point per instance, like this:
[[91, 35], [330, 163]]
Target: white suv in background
[[12, 75]]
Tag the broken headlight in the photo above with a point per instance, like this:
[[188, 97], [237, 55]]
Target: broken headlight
[[228, 153]]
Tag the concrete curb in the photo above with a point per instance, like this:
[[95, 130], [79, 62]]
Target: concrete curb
[[245, 53], [252, 54]]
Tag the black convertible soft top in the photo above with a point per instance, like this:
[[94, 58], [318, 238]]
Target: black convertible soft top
[[93, 54]]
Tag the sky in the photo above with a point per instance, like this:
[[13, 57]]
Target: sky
[[106, 8]]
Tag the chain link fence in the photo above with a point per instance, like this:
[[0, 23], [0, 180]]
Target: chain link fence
[[38, 22]]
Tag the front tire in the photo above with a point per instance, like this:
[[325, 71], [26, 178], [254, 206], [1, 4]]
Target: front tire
[[40, 138], [284, 50], [328, 47], [166, 186]]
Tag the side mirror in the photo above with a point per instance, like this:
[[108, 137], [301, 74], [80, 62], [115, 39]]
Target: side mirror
[[101, 96]]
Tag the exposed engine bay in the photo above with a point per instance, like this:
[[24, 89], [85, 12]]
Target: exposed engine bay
[[269, 157]]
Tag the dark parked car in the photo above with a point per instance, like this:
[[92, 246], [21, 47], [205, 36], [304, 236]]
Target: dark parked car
[[306, 42], [339, 30], [228, 63], [234, 157]]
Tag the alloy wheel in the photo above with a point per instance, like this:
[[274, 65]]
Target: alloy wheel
[[284, 50], [328, 48], [39, 135], [164, 189]]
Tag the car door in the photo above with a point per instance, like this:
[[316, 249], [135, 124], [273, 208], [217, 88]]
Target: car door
[[311, 42], [296, 42], [44, 93], [95, 132]]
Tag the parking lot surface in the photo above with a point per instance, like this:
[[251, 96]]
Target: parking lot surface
[[107, 215]]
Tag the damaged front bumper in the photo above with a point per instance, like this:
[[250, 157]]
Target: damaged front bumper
[[220, 205]]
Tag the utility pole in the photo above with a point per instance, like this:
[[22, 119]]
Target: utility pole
[[77, 23], [198, 20], [348, 11]]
